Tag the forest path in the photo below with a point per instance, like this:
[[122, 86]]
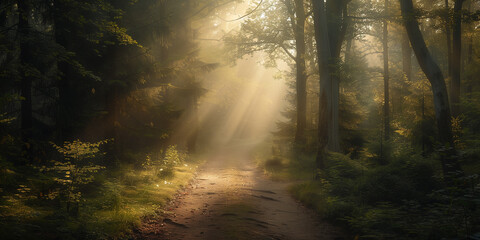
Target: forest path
[[232, 199]]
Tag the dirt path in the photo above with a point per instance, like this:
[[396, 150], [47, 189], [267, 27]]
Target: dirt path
[[232, 199]]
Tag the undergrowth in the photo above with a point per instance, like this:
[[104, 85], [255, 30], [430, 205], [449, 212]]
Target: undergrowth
[[403, 197], [75, 198]]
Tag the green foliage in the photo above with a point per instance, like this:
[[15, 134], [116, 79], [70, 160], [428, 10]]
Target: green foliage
[[316, 195], [471, 111], [75, 169], [112, 198], [113, 202], [340, 166], [163, 163], [401, 199], [381, 222], [378, 152]]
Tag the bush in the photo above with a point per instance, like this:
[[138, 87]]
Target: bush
[[75, 169], [163, 163], [340, 166]]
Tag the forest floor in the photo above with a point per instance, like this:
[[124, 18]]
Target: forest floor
[[231, 198]]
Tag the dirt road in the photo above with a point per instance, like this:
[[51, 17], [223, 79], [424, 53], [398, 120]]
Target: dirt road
[[232, 199]]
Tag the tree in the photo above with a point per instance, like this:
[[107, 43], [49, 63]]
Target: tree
[[456, 57], [448, 36], [297, 19], [331, 23], [27, 71], [386, 108], [435, 77], [406, 57], [325, 98]]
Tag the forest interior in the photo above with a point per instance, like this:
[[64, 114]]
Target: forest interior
[[240, 119]]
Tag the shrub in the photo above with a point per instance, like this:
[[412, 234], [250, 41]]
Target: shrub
[[75, 169], [163, 164]]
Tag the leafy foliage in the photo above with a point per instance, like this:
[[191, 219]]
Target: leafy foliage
[[76, 168], [163, 164]]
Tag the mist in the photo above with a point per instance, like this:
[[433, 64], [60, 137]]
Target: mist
[[239, 119]]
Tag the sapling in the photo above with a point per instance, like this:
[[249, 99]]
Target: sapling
[[75, 169]]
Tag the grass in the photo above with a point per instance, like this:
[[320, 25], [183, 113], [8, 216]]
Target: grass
[[137, 198], [112, 206]]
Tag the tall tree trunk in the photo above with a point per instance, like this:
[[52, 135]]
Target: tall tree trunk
[[435, 76], [406, 67], [406, 57], [456, 57], [448, 36], [26, 70], [324, 56], [301, 83], [469, 57], [386, 106], [64, 114], [330, 23], [337, 22]]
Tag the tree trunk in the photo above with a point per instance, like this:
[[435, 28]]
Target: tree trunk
[[448, 37], [406, 57], [469, 54], [406, 67], [26, 70], [64, 114], [435, 76], [301, 83], [324, 56], [386, 106], [336, 20], [456, 58]]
